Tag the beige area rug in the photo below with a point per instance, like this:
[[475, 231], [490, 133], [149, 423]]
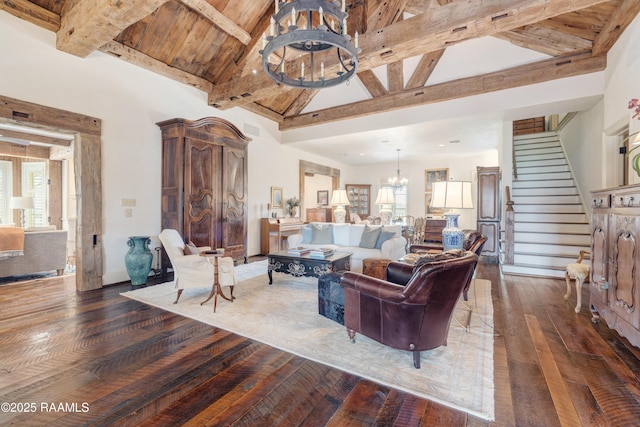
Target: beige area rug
[[285, 315]]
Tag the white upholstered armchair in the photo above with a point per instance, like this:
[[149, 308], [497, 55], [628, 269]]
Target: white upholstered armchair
[[194, 271]]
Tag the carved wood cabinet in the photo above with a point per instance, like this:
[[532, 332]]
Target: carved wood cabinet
[[489, 211], [204, 183], [615, 259], [359, 199]]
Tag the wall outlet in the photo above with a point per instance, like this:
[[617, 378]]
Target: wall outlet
[[127, 202], [128, 213]]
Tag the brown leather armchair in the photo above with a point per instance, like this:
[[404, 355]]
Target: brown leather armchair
[[472, 240], [415, 317]]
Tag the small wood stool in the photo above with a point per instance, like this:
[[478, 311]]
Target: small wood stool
[[578, 272], [375, 267]]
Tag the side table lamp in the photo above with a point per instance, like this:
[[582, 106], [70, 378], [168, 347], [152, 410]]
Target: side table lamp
[[385, 200], [451, 195], [339, 199], [21, 203]]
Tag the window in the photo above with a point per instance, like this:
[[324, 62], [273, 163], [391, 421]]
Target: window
[[34, 184], [6, 215], [400, 196]]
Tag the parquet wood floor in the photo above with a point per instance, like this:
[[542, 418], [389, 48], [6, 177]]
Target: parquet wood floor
[[99, 359]]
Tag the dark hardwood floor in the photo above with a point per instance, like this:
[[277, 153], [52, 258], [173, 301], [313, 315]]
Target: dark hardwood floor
[[96, 358]]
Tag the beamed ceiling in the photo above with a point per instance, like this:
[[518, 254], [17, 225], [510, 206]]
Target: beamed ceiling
[[213, 45]]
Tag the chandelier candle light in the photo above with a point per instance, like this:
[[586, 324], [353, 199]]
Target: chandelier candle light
[[396, 181], [339, 199], [451, 195], [308, 45]]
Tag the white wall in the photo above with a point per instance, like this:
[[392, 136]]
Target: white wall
[[582, 141]]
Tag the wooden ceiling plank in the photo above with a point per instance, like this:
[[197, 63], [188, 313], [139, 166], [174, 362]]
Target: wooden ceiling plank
[[133, 56], [615, 26], [415, 36], [372, 83], [424, 69], [92, 23], [395, 76], [545, 40], [382, 13], [219, 20], [547, 70], [33, 13]]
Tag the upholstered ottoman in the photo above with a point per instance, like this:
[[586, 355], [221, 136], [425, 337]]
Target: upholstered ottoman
[[331, 297], [375, 267]]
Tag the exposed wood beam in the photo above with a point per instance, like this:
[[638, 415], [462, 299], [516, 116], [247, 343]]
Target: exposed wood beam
[[395, 76], [35, 137], [382, 13], [133, 56], [538, 72], [546, 40], [420, 34], [616, 25], [90, 24], [264, 112], [300, 102], [219, 20], [31, 12], [424, 69], [372, 83]]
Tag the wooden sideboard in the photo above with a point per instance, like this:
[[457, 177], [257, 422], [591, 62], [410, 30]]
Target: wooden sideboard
[[319, 215], [433, 230], [615, 259], [274, 233]]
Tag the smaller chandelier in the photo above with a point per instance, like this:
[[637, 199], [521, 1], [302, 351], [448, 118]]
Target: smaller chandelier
[[304, 36], [397, 182]]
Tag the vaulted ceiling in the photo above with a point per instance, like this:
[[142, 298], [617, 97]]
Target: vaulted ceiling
[[213, 45]]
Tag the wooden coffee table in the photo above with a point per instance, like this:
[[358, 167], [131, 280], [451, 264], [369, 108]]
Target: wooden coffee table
[[304, 265]]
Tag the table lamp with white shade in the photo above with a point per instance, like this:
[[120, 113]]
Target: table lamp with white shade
[[385, 200], [339, 199], [21, 203], [451, 195]]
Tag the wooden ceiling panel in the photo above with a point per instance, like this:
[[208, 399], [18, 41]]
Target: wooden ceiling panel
[[213, 44]]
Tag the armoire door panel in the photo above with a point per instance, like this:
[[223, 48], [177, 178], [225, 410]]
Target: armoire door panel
[[625, 287], [599, 259]]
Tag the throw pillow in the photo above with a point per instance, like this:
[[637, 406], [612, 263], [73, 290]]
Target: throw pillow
[[369, 237], [321, 234], [341, 234], [191, 249], [383, 237], [306, 234]]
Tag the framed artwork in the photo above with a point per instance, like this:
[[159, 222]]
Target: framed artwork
[[277, 201], [323, 197], [431, 176]]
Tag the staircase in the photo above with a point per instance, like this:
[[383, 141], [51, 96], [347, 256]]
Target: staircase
[[550, 224]]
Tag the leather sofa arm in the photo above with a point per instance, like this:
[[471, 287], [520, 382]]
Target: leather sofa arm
[[377, 288], [399, 272]]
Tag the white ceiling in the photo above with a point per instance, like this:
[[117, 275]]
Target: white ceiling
[[476, 122]]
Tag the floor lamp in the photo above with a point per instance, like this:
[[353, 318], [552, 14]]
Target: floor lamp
[[385, 200], [451, 195], [21, 203], [339, 199]]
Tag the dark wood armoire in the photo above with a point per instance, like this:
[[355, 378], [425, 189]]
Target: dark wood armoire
[[204, 183]]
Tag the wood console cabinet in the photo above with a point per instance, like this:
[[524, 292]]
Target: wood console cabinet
[[204, 183], [319, 215], [615, 259]]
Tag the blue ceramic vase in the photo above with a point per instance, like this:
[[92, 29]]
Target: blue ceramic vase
[[451, 234], [138, 260]]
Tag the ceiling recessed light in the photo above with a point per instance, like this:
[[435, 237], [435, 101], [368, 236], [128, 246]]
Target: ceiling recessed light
[[384, 141], [362, 154], [440, 145], [455, 141]]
